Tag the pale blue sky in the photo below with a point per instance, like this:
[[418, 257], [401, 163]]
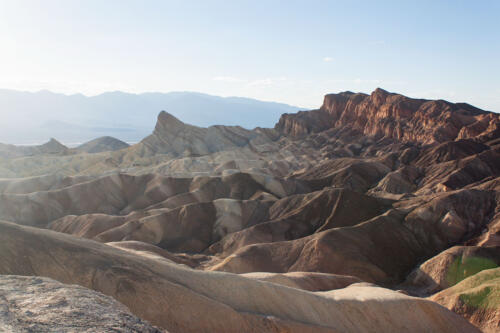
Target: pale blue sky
[[286, 51]]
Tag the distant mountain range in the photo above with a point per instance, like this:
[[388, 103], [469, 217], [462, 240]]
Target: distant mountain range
[[31, 118]]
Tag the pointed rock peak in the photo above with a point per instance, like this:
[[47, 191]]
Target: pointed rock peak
[[167, 122], [379, 96], [380, 92], [166, 118], [53, 146], [54, 143]]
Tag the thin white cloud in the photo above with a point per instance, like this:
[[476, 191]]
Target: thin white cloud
[[327, 59], [263, 82], [359, 81], [229, 79], [355, 81], [267, 81]]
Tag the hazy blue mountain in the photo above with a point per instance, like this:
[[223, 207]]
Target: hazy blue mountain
[[34, 117]]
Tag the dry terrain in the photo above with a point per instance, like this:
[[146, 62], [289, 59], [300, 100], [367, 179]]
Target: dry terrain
[[374, 213]]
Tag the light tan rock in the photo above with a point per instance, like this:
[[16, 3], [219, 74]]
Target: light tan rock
[[305, 280], [185, 300]]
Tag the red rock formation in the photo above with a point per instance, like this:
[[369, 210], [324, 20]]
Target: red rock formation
[[389, 115]]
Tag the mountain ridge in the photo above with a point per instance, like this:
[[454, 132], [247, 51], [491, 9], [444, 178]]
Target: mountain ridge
[[34, 117], [389, 115]]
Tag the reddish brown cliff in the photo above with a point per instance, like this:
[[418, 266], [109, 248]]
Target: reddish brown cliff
[[388, 115]]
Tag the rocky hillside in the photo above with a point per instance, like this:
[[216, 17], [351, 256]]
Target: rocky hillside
[[53, 147], [172, 136], [354, 206]]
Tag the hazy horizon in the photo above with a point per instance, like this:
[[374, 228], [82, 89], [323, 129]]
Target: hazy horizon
[[292, 54], [115, 109], [151, 92], [107, 63], [312, 107], [34, 117]]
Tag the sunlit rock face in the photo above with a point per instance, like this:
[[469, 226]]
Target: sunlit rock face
[[384, 189], [389, 115]]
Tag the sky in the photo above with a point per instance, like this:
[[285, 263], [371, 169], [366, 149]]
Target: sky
[[286, 51]]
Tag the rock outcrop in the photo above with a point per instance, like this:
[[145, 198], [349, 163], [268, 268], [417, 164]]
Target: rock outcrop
[[389, 115], [172, 136], [37, 304]]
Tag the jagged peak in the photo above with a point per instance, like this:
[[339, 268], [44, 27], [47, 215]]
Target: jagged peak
[[380, 91], [379, 96], [167, 122], [384, 114], [166, 117], [53, 140], [53, 143]]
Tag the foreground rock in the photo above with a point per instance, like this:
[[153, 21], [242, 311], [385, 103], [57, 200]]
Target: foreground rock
[[184, 300], [35, 304]]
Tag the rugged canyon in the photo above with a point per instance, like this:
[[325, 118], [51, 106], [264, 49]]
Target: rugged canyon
[[373, 213]]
